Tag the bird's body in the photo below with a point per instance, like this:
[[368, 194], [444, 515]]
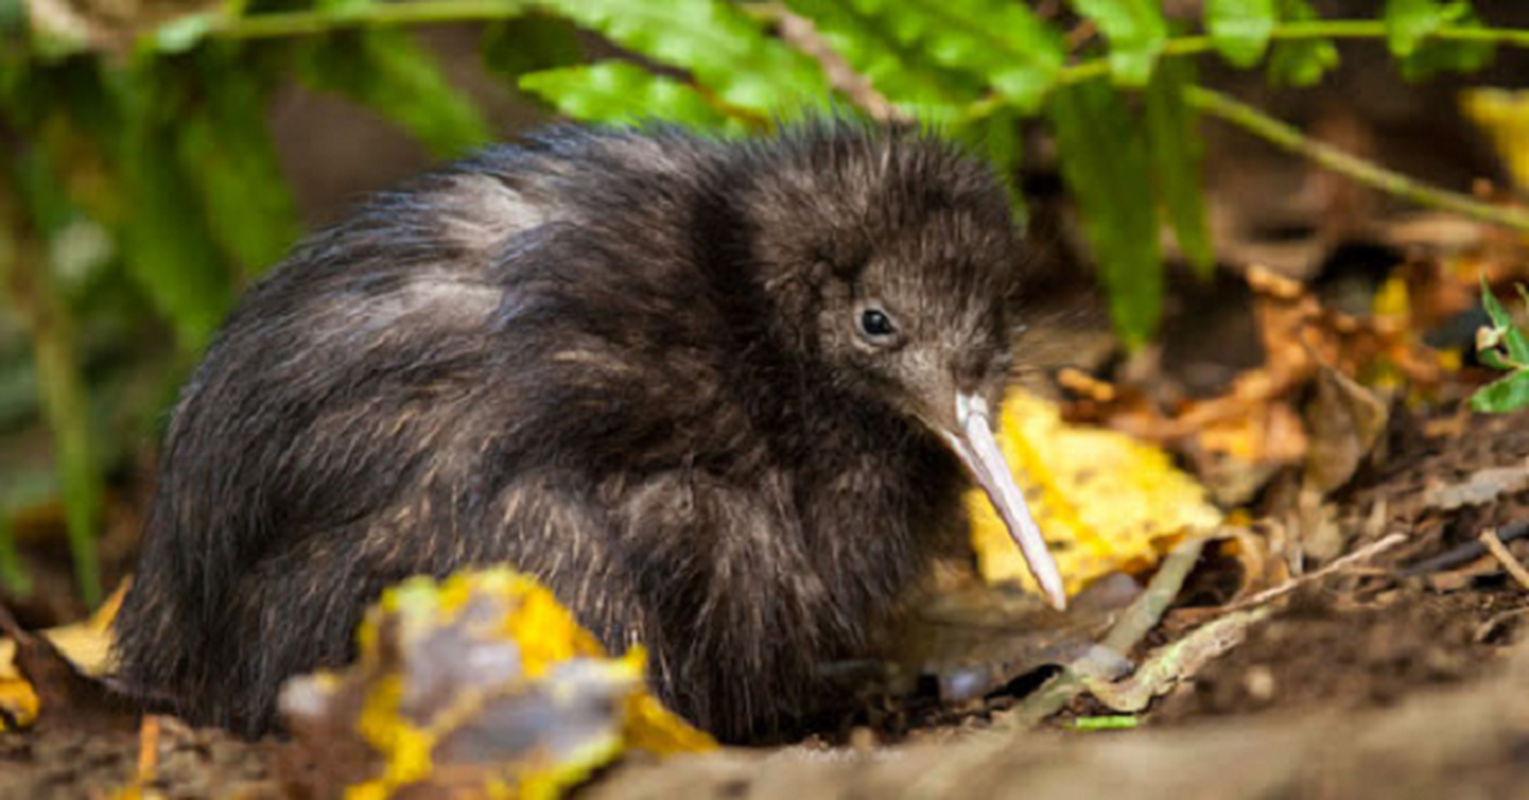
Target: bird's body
[[635, 364]]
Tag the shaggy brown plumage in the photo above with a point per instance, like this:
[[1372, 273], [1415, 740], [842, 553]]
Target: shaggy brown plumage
[[706, 391]]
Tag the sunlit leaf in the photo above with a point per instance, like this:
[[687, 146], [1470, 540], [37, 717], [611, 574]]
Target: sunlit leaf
[[1104, 501], [725, 50], [184, 32], [1503, 115], [1433, 56], [1409, 22], [1136, 32], [1504, 395], [1105, 163], [1303, 62], [1240, 29], [1002, 42], [1504, 331], [866, 36], [1173, 140], [616, 91]]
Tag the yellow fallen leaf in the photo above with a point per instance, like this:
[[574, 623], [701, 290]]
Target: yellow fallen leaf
[[1105, 502], [18, 704], [87, 644], [1504, 116], [480, 685]]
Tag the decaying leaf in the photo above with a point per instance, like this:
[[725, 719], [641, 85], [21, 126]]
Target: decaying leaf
[[1107, 503], [479, 685], [87, 644], [1503, 115], [68, 657], [1346, 422], [61, 694], [1244, 435]]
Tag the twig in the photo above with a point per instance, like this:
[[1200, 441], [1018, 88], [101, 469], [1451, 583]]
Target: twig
[[1288, 138], [1495, 546], [1143, 614], [802, 34], [1464, 553], [39, 306], [1099, 67], [1362, 554]]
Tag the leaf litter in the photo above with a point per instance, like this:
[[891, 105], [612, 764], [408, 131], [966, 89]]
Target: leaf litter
[[1276, 499]]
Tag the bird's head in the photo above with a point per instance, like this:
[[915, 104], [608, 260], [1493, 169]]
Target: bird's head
[[892, 259]]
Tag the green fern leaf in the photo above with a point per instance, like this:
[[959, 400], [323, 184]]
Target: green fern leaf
[[1104, 162], [725, 50], [615, 91]]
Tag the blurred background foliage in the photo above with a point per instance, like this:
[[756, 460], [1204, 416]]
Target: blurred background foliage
[[144, 185]]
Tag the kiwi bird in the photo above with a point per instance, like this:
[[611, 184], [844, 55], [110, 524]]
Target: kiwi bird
[[721, 397]]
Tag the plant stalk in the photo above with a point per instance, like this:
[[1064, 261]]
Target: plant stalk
[[1278, 133]]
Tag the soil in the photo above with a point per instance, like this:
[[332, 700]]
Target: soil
[[1400, 677], [1352, 644]]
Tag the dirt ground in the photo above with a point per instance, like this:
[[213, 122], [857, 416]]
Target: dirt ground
[[1405, 676], [1353, 651]]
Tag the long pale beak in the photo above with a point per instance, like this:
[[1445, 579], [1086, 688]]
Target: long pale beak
[[974, 444]]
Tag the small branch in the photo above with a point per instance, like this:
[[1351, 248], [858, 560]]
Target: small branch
[[27, 286], [1362, 554], [801, 34], [307, 23], [1141, 617], [1494, 545], [1288, 138]]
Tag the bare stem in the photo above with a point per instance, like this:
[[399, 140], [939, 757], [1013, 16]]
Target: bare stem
[[1284, 136], [27, 285]]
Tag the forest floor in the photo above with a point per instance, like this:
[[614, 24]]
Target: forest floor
[[1374, 680], [1400, 671]]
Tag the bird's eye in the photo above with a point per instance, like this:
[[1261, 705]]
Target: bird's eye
[[877, 326]]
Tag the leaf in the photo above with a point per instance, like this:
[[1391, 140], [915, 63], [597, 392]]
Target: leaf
[[1000, 138], [1104, 500], [1173, 140], [1240, 29], [1504, 395], [1503, 115], [54, 676], [1002, 42], [1409, 22], [515, 47], [476, 685], [388, 72], [867, 39], [1301, 63], [225, 147], [166, 245], [616, 91], [1104, 161], [725, 50], [1136, 32], [1503, 331], [184, 32], [1433, 56]]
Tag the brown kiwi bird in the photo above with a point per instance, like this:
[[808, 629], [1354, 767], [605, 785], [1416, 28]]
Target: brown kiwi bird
[[722, 397]]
